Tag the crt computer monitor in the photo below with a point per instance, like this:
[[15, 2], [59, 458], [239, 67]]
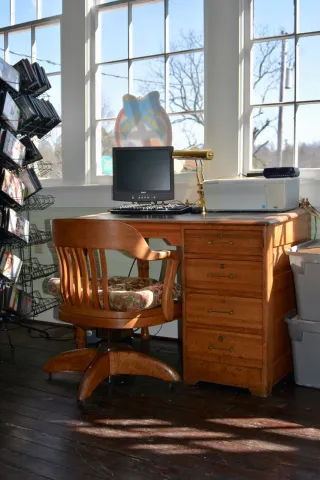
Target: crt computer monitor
[[143, 174]]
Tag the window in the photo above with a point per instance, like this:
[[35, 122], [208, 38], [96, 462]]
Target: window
[[283, 109], [31, 29], [140, 47]]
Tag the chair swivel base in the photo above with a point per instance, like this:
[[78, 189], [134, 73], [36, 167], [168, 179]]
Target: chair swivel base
[[97, 366]]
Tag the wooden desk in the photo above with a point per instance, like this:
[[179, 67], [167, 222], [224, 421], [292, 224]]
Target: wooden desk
[[238, 287]]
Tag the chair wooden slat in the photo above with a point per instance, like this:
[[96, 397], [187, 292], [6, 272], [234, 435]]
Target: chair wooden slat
[[104, 278], [78, 293], [64, 276], [94, 278], [85, 278]]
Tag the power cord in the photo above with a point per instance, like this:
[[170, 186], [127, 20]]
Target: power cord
[[56, 339]]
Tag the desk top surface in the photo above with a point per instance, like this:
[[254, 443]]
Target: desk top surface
[[253, 218]]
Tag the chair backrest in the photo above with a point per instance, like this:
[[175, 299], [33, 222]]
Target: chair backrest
[[81, 246]]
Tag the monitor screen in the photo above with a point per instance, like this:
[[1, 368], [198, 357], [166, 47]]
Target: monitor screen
[[143, 174]]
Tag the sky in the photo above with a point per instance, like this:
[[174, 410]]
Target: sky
[[147, 38]]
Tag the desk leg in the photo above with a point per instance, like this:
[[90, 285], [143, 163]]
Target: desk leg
[[143, 271]]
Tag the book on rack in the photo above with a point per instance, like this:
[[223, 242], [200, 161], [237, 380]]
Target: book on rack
[[15, 224], [9, 75], [12, 151], [10, 265], [31, 181], [33, 77], [10, 112], [12, 189], [16, 300], [32, 152]]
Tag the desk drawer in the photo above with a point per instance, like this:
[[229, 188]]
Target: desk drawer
[[239, 278], [220, 311], [224, 241], [224, 347]]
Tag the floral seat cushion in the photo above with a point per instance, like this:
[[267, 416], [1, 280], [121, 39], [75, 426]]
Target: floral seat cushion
[[128, 294]]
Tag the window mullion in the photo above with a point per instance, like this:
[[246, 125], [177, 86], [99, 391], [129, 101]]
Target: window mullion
[[6, 46], [296, 80], [39, 9], [33, 45], [130, 51], [12, 12], [166, 50]]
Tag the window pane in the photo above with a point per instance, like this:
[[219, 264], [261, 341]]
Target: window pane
[[19, 46], [112, 41], [273, 72], [186, 82], [111, 85], [185, 24], [187, 132], [309, 53], [5, 13], [50, 148], [48, 48], [148, 29], [308, 136], [105, 141], [272, 137], [309, 16], [51, 8], [1, 46], [273, 17], [54, 93], [25, 11], [148, 76]]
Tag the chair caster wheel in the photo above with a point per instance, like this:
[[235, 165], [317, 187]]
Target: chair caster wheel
[[80, 403], [49, 376], [172, 387]]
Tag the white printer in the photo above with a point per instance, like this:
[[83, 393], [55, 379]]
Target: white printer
[[252, 194]]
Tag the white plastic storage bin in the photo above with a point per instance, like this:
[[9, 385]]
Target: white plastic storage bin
[[305, 264], [305, 342]]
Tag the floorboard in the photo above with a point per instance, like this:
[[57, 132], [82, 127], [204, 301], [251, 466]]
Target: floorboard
[[135, 428]]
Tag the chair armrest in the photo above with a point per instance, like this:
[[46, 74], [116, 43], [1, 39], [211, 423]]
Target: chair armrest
[[173, 261]]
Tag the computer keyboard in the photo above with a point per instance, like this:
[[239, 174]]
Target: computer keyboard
[[152, 208]]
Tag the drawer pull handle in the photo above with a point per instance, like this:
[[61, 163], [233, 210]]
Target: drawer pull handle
[[231, 242], [229, 312], [212, 347], [231, 275]]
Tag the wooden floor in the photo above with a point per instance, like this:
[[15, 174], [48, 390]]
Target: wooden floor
[[137, 429]]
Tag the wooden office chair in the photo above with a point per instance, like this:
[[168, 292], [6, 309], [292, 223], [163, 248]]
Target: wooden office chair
[[91, 299]]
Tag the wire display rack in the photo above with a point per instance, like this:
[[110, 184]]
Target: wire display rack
[[40, 304], [32, 269], [39, 124], [36, 202]]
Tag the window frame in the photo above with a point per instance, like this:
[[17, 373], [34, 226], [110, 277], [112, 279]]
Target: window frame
[[94, 66], [247, 41]]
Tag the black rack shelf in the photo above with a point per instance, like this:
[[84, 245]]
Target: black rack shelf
[[32, 269], [36, 202], [38, 237], [40, 304]]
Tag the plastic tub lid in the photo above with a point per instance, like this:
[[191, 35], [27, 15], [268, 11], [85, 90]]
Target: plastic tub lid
[[312, 247]]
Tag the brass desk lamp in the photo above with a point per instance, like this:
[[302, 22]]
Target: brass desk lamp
[[198, 156]]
